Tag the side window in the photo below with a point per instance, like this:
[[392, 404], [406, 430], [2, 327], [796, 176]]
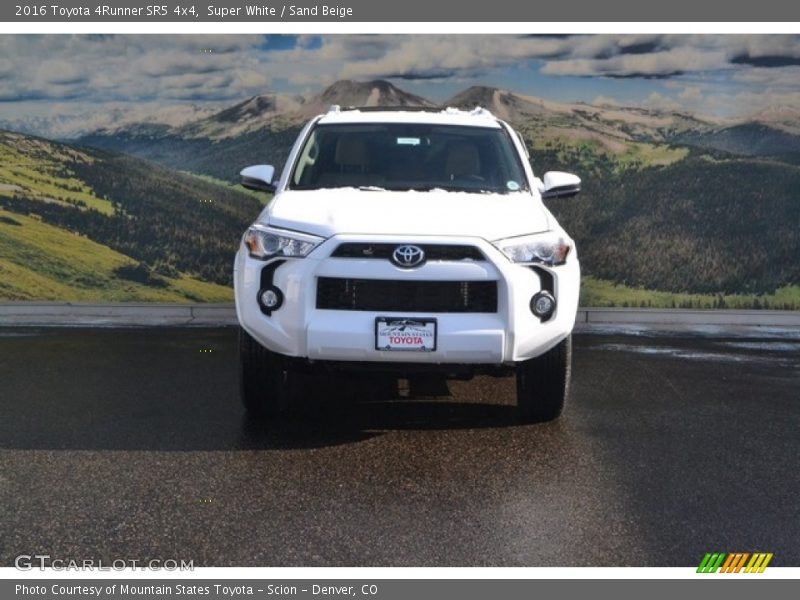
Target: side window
[[522, 142], [307, 160]]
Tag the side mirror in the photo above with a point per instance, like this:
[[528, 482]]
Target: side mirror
[[258, 177], [558, 184]]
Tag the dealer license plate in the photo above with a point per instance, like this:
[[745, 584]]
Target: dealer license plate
[[401, 333]]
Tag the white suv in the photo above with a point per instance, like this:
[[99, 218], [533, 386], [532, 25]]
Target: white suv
[[407, 241]]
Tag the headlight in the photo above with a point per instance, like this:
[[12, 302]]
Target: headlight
[[543, 248], [265, 242]]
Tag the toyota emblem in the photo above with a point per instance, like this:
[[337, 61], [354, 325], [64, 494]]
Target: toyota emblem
[[408, 256]]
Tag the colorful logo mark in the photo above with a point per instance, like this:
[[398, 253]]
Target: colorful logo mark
[[734, 562]]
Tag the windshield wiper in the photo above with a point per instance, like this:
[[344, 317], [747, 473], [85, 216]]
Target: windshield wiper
[[365, 188], [432, 188], [450, 188]]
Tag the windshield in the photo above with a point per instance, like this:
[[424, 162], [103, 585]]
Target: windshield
[[400, 156]]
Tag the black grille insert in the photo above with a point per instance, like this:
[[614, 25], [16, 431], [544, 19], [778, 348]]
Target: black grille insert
[[452, 252], [407, 296]]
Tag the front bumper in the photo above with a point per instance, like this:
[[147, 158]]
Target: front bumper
[[299, 329]]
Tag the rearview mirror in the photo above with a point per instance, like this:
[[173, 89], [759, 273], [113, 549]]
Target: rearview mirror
[[558, 184], [258, 177]]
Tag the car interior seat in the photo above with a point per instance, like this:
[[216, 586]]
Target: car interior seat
[[351, 163], [463, 161]]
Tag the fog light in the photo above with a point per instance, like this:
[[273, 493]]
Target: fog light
[[543, 305], [271, 298]]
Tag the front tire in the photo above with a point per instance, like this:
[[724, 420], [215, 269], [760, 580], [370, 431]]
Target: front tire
[[264, 379], [543, 384]]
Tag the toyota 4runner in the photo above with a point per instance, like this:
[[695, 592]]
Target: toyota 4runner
[[407, 241]]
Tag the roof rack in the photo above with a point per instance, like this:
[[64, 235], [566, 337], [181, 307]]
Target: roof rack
[[477, 111], [391, 108]]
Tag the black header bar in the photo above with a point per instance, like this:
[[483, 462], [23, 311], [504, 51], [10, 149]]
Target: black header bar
[[441, 11]]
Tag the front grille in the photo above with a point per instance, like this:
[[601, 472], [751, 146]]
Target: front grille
[[451, 252], [407, 296]]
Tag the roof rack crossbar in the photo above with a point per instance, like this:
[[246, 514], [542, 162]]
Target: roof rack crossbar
[[477, 111], [391, 108]]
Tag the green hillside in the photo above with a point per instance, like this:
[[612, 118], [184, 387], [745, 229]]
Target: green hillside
[[219, 158], [43, 262], [675, 210], [38, 169], [82, 224], [729, 226], [598, 155], [662, 224], [599, 293]]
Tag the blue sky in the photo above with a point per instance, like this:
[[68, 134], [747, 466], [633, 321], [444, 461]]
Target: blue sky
[[61, 76]]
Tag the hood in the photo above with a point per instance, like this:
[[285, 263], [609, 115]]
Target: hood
[[350, 211]]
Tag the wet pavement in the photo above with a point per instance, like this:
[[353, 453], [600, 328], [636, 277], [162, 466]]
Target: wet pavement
[[131, 444]]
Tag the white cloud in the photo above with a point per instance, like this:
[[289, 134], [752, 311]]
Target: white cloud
[[156, 69], [750, 102], [364, 57], [606, 101], [691, 93], [656, 64], [60, 120], [788, 77], [658, 101], [130, 67]]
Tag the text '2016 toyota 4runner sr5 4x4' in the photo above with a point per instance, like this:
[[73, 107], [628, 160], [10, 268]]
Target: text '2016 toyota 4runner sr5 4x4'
[[407, 241]]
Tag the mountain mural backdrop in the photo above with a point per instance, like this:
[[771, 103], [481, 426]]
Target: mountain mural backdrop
[[676, 209]]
